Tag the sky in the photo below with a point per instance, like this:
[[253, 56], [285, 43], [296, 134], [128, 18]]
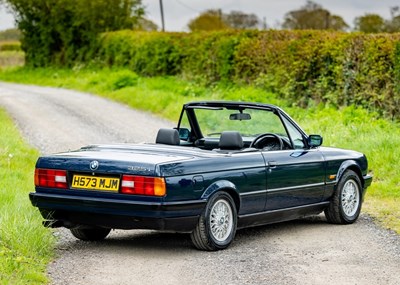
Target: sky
[[178, 13]]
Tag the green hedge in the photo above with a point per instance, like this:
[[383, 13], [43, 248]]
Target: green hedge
[[304, 67], [10, 46], [148, 54]]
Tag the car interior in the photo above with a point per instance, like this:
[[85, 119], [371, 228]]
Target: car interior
[[228, 141]]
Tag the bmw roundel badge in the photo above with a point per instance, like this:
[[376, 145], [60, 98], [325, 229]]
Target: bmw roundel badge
[[94, 165]]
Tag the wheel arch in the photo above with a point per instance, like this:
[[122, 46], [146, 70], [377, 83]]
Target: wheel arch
[[350, 165], [223, 186]]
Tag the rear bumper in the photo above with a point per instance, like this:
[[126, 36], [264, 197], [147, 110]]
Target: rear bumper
[[71, 211]]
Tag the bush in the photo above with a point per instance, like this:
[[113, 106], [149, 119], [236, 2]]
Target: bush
[[301, 66], [122, 79]]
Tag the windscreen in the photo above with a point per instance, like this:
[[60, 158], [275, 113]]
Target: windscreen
[[248, 122]]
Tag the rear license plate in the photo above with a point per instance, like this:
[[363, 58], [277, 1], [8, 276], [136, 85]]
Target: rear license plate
[[95, 183]]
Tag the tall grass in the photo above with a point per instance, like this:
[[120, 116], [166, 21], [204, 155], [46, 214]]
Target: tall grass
[[348, 127], [25, 245]]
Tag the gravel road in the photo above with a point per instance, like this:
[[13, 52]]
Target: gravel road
[[307, 251]]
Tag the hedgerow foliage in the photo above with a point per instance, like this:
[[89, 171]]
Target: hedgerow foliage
[[302, 66], [10, 46]]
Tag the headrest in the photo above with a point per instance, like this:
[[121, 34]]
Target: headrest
[[168, 136], [230, 140]]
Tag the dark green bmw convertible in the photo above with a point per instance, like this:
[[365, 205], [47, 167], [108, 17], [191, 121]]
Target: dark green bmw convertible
[[226, 165]]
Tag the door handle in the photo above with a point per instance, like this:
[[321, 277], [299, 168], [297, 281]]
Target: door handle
[[272, 164]]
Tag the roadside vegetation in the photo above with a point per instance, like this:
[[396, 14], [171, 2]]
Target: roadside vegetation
[[11, 58], [11, 53], [302, 67], [25, 245], [346, 127]]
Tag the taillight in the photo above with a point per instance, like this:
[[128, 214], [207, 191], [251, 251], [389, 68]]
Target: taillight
[[51, 178], [141, 185]]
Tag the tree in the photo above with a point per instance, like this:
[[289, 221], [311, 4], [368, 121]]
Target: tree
[[240, 20], [60, 31], [337, 23], [393, 25], [208, 21], [369, 23], [373, 23], [314, 17], [216, 20]]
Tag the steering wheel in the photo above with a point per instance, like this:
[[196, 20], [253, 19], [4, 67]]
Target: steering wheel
[[259, 139]]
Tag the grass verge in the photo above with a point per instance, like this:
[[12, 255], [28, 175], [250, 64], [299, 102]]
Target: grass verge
[[348, 127], [25, 245]]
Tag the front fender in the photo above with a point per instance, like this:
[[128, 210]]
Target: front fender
[[349, 164]]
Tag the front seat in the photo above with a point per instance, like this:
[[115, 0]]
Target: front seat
[[168, 136], [230, 140]]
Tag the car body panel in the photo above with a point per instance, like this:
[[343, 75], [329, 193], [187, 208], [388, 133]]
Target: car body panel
[[294, 178]]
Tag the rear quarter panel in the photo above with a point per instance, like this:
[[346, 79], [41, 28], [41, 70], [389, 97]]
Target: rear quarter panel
[[242, 173]]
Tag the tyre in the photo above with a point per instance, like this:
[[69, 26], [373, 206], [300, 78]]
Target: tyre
[[216, 228], [90, 234], [346, 202]]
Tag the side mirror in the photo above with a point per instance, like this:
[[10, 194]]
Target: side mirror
[[314, 141], [184, 134]]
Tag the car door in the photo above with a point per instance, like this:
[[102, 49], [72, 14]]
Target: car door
[[294, 178], [295, 175]]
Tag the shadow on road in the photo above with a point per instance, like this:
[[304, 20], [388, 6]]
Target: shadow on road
[[163, 241]]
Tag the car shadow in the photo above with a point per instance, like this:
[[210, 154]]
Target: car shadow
[[166, 241]]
